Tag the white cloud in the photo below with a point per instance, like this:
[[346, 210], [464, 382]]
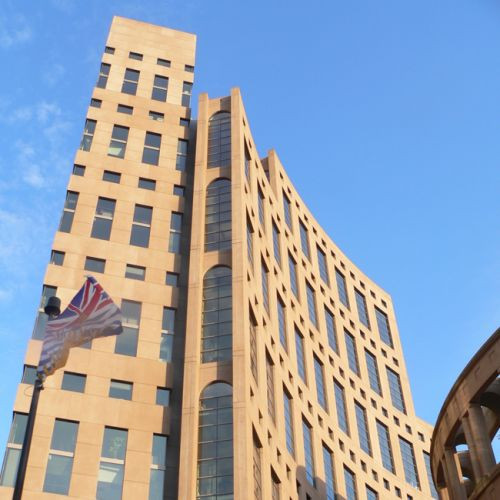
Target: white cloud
[[45, 109], [14, 32], [32, 175]]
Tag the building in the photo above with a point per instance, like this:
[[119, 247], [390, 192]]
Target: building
[[462, 457], [257, 360]]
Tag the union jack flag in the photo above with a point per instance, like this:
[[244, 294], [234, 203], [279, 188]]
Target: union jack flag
[[91, 314]]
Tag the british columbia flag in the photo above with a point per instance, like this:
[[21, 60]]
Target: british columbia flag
[[91, 314]]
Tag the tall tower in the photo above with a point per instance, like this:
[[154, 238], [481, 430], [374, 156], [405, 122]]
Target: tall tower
[[257, 361]]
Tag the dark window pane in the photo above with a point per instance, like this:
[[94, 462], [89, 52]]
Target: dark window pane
[[156, 116], [120, 390], [111, 176], [73, 382], [163, 62], [184, 122], [66, 221], [64, 435], [151, 156], [79, 170], [109, 50], [159, 451], [153, 140], [57, 258], [120, 133], [172, 279], [143, 214], [135, 272], [189, 68], [40, 324], [101, 228], [29, 375], [109, 481], [179, 190], [122, 108], [156, 484], [126, 342], [105, 207], [95, 265], [9, 468], [117, 149], [159, 94], [114, 443], [131, 312], [139, 236], [18, 428], [135, 55], [58, 474], [95, 103], [162, 396], [147, 184]]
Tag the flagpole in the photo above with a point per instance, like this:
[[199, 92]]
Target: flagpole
[[52, 309]]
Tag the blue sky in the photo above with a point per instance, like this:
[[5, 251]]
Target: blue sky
[[385, 115]]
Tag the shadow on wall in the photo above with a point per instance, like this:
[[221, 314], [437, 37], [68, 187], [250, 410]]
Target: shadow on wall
[[318, 491]]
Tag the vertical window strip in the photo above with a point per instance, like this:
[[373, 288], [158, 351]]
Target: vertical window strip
[[276, 244], [320, 384], [167, 333], [253, 348], [260, 201], [329, 474], [371, 494], [157, 469], [373, 375], [13, 451], [396, 390], [311, 304], [292, 266], [219, 140], [112, 463], [299, 348], [270, 387], [363, 434], [265, 287], [350, 485], [250, 244], [341, 407], [218, 216], [409, 463], [427, 460], [174, 241], [287, 405], [362, 310], [257, 469], [282, 323], [304, 239], [385, 447], [352, 355], [308, 453], [331, 331], [323, 268], [383, 327], [342, 288], [287, 210], [88, 135]]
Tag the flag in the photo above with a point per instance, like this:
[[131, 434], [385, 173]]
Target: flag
[[91, 314]]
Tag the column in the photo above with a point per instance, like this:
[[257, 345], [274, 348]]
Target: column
[[454, 484]]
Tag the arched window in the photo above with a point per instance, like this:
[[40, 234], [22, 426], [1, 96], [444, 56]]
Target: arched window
[[215, 443], [217, 312], [219, 140], [218, 216]]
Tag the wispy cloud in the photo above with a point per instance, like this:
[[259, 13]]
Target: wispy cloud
[[54, 74], [14, 31]]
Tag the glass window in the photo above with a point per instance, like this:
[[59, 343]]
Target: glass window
[[103, 219], [10, 465], [187, 89], [373, 376], [18, 428], [127, 110], [147, 184], [73, 382], [320, 382], [95, 103], [218, 216], [383, 327], [249, 243], [163, 62], [287, 210], [179, 190], [88, 135], [396, 390], [102, 79], [385, 447], [341, 288], [299, 348], [260, 203], [219, 140], [350, 485], [217, 315], [181, 159], [118, 143], [94, 265], [276, 244], [282, 323], [257, 468], [109, 50], [159, 451], [329, 474], [409, 463], [64, 435], [29, 375], [189, 68], [174, 242], [363, 434], [183, 122], [109, 481], [270, 387], [114, 443], [120, 390], [68, 212], [341, 407], [160, 87], [362, 310], [290, 442], [253, 347], [371, 494], [167, 333], [352, 354], [427, 460], [292, 266], [111, 176], [215, 443], [126, 342], [58, 474], [57, 258], [40, 324], [323, 267], [151, 152], [331, 331], [135, 55], [162, 396], [265, 286], [172, 279], [304, 239], [308, 453], [248, 161], [311, 305], [154, 115], [141, 227], [130, 81], [135, 272], [79, 170]]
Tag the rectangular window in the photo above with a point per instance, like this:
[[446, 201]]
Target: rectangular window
[[179, 190], [109, 176], [260, 202], [299, 348], [308, 453], [10, 465], [60, 462], [320, 383], [126, 110], [181, 159], [323, 267], [95, 103], [118, 143], [149, 184], [331, 331], [174, 242], [276, 244], [373, 375], [88, 134], [167, 333], [409, 463], [172, 279], [187, 89], [329, 474], [265, 287], [163, 62], [184, 122], [135, 272], [371, 494], [112, 463], [311, 305], [250, 243], [68, 212], [342, 288], [160, 87], [189, 68], [162, 396], [253, 347], [383, 327], [270, 387], [158, 463], [287, 403], [135, 55], [151, 151], [287, 210], [109, 50], [94, 265], [350, 485], [362, 310], [29, 375], [352, 354], [247, 165], [103, 219], [74, 382], [396, 390], [120, 390], [363, 434], [275, 487], [384, 442], [257, 466], [79, 170], [102, 79], [130, 81], [341, 407], [304, 239], [427, 460], [282, 323], [141, 226], [158, 117], [292, 266], [126, 342]]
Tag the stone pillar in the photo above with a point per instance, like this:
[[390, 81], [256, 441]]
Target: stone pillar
[[454, 482], [478, 441]]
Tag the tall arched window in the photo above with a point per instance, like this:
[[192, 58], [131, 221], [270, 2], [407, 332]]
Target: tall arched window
[[217, 312], [219, 140], [218, 216], [215, 443]]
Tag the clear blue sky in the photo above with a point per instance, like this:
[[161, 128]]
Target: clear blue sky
[[385, 114]]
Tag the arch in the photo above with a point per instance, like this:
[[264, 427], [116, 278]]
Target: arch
[[216, 342], [215, 442], [218, 215], [219, 140]]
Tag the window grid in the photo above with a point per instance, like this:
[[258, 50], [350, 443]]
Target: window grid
[[308, 453], [384, 441], [373, 375], [187, 90], [409, 463], [103, 218], [151, 151], [130, 80], [276, 244], [250, 244], [342, 288], [160, 88], [352, 354], [331, 331], [311, 304], [88, 135], [371, 494], [299, 348], [253, 348], [112, 463], [383, 327], [320, 383], [287, 210], [329, 474], [102, 79], [362, 309], [287, 405], [68, 212], [13, 451], [219, 140], [260, 201], [341, 407], [427, 460], [257, 469], [350, 485], [174, 241], [323, 268], [265, 286], [304, 239], [270, 388], [118, 142], [157, 469], [141, 227], [167, 333], [292, 266], [218, 216], [396, 390], [181, 158], [282, 323], [363, 434]]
